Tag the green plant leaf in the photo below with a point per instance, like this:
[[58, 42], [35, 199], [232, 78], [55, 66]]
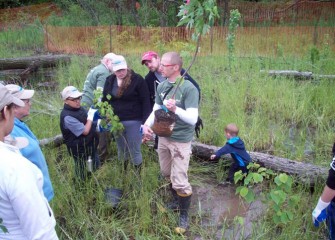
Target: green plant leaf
[[274, 196], [238, 189], [284, 218], [248, 178], [257, 178], [244, 191], [250, 197], [283, 177]]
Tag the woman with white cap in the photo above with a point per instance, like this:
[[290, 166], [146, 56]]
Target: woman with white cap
[[32, 151], [24, 210], [79, 131], [131, 103]]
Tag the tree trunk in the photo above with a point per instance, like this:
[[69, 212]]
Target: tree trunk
[[16, 76], [306, 172], [33, 62], [296, 74]]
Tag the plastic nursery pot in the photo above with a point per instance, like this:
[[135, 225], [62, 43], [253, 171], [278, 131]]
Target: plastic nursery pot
[[113, 196]]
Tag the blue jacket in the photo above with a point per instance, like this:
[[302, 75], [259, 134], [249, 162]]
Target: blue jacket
[[235, 147], [34, 154]]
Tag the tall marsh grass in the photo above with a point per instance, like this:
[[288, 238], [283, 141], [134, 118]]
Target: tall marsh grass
[[276, 115]]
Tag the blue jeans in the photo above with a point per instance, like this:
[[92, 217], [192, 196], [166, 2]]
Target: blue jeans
[[129, 142], [331, 220]]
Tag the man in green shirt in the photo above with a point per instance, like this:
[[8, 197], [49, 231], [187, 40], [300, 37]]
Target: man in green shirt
[[174, 151]]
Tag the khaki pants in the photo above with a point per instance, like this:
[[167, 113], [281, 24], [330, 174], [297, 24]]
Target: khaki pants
[[174, 159]]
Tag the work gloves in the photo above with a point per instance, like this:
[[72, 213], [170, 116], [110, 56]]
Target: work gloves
[[198, 127], [320, 212], [94, 115], [90, 114], [103, 127]]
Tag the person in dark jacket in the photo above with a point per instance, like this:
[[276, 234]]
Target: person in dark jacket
[[152, 61], [79, 131], [325, 208], [235, 147], [130, 102]]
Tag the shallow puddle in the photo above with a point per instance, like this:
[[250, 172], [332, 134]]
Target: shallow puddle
[[215, 208]]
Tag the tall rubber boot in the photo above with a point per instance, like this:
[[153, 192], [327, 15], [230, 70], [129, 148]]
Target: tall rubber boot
[[184, 205], [174, 204]]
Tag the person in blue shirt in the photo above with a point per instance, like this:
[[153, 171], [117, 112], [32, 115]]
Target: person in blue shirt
[[32, 151], [235, 147]]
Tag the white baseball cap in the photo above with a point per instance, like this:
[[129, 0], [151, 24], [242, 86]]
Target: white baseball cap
[[119, 63], [7, 98], [20, 92], [70, 91], [110, 56]]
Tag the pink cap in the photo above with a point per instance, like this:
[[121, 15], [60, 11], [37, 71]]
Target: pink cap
[[147, 56]]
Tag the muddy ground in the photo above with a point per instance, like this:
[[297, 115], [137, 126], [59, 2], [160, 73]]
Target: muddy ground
[[215, 209]]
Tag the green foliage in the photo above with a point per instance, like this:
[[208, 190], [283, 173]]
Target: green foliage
[[198, 15], [107, 114], [2, 227], [234, 20], [315, 54], [280, 197]]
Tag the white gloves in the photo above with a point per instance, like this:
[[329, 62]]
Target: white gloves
[[90, 114], [320, 214]]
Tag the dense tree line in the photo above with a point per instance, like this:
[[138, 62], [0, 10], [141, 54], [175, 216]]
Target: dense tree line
[[19, 3], [126, 12]]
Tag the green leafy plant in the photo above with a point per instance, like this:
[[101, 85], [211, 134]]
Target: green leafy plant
[[2, 227], [199, 16], [108, 118], [280, 197], [234, 21]]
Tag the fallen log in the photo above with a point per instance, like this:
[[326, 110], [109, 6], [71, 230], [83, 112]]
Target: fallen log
[[55, 141], [306, 172], [296, 74], [16, 75], [34, 62]]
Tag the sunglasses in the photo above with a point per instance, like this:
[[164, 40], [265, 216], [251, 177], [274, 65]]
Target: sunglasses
[[168, 65], [74, 99]]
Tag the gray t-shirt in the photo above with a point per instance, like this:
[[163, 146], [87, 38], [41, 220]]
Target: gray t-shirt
[[73, 124], [187, 96]]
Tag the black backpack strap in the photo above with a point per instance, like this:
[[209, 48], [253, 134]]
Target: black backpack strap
[[167, 92]]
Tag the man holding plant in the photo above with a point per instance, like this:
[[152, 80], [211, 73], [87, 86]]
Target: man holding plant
[[174, 152], [79, 131], [152, 61]]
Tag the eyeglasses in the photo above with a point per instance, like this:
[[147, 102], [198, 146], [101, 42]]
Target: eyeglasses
[[167, 65], [74, 99]]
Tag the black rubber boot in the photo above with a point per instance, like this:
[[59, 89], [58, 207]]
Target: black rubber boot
[[184, 205], [174, 204], [138, 169]]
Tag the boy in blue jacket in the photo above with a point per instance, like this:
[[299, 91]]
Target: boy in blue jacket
[[235, 147]]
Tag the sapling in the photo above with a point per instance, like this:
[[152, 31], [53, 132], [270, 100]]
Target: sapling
[[109, 120]]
